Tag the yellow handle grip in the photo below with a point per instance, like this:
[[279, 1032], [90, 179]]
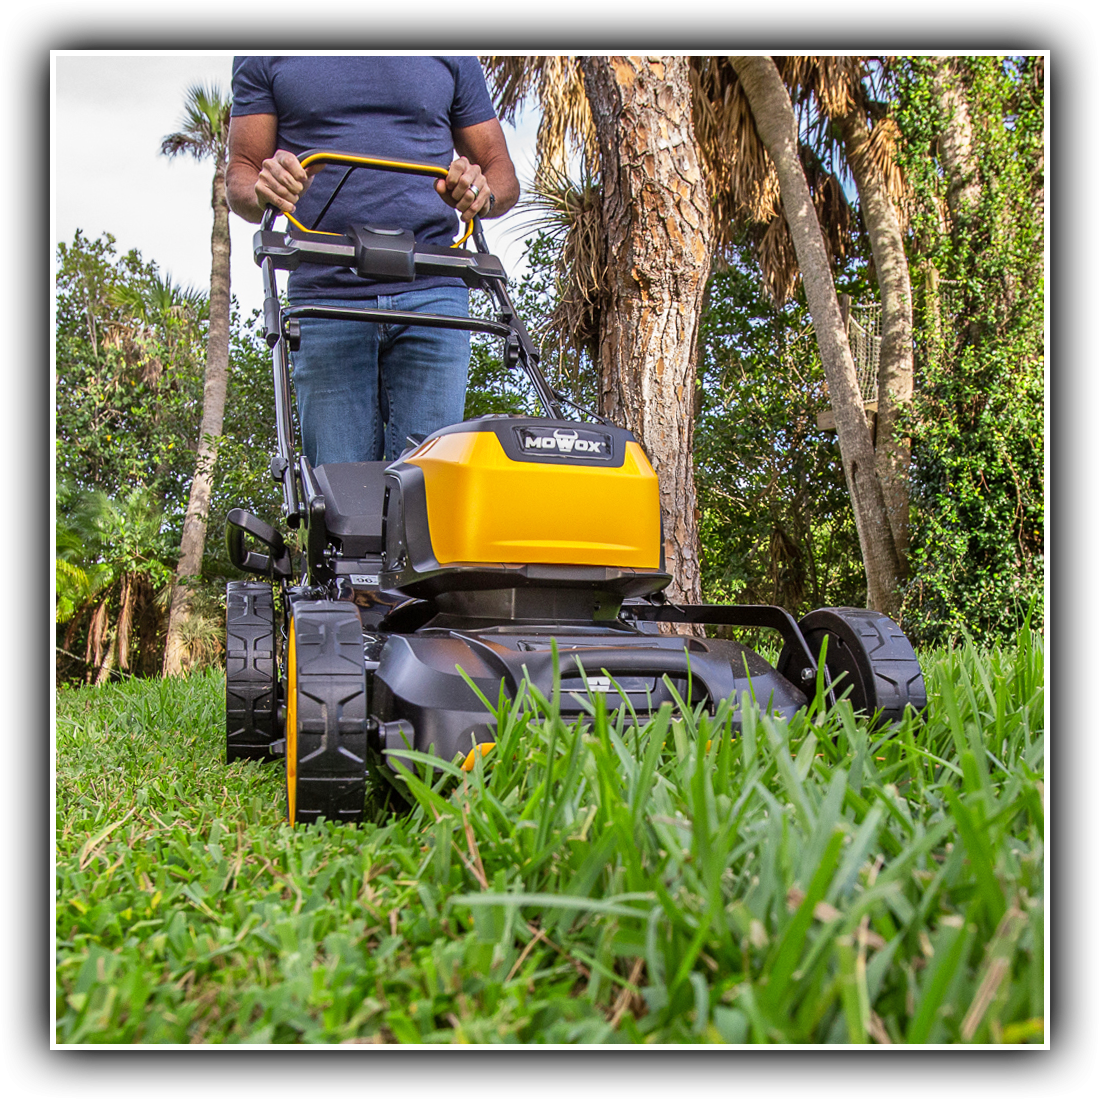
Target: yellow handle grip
[[322, 156]]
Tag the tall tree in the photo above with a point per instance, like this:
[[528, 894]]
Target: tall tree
[[895, 374], [203, 134], [774, 117], [657, 236], [838, 90]]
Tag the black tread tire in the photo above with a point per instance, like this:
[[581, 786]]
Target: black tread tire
[[873, 655], [326, 717], [251, 672]]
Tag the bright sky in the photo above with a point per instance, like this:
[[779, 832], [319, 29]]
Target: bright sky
[[161, 206]]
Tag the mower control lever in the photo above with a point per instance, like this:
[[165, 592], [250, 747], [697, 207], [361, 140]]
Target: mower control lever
[[237, 524]]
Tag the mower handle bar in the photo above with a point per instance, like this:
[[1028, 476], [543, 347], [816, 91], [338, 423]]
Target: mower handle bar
[[395, 255], [387, 254]]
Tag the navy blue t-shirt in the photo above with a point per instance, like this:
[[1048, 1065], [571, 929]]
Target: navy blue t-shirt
[[395, 108]]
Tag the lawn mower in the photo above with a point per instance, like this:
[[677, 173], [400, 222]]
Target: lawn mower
[[492, 551]]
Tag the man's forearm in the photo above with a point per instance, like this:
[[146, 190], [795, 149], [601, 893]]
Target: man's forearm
[[504, 186], [240, 187]]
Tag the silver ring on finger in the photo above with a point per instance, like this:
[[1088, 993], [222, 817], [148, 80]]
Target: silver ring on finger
[[475, 191]]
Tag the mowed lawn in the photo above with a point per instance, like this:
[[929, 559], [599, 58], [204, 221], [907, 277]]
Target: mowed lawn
[[596, 882]]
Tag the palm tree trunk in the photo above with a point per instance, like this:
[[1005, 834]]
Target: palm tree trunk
[[657, 229], [125, 621], [895, 373], [97, 635], [103, 674], [213, 413], [778, 129]]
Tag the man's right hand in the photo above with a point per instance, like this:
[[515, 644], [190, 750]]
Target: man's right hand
[[259, 173], [282, 181]]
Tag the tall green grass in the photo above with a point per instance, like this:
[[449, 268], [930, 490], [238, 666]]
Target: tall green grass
[[588, 882]]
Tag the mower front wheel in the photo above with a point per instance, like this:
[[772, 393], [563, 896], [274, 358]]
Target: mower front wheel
[[251, 678], [866, 652], [326, 713]]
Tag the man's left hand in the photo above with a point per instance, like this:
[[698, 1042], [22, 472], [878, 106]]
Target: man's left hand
[[465, 188]]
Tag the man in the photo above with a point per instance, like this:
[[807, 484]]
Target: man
[[362, 389]]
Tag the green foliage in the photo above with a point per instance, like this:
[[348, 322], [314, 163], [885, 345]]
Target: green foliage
[[491, 387], [776, 523], [109, 572], [103, 538], [805, 882], [978, 416], [128, 383]]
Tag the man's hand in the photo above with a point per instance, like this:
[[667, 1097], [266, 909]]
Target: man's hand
[[259, 172], [282, 181], [465, 188]]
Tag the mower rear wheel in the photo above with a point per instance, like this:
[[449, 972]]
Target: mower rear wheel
[[251, 677], [326, 713], [866, 652]]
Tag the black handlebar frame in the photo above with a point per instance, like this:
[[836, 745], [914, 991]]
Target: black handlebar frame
[[378, 253]]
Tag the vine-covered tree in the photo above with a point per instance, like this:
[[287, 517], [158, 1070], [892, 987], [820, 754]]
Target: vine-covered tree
[[973, 139]]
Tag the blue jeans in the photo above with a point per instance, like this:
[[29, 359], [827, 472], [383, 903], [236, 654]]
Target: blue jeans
[[363, 388]]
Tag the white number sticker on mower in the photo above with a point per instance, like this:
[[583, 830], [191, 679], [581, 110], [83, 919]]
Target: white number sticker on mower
[[363, 578]]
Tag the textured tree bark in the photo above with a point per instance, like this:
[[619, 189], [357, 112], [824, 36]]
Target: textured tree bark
[[895, 373], [658, 235], [213, 414], [776, 124]]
